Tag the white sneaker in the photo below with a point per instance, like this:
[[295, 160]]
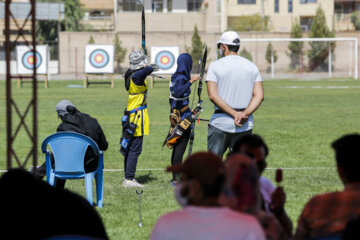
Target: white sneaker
[[131, 183]]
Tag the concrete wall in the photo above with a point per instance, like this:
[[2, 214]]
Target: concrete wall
[[72, 47]]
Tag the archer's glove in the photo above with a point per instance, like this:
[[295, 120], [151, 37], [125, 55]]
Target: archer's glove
[[155, 67]]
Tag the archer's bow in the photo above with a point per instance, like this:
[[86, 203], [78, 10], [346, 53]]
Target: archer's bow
[[202, 72], [196, 112], [143, 43]]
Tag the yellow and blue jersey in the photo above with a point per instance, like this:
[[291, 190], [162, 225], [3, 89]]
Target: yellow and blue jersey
[[138, 99]]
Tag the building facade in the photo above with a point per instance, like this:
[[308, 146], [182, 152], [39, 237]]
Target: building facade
[[343, 11]]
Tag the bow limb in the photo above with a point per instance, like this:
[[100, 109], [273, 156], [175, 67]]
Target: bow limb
[[143, 42]]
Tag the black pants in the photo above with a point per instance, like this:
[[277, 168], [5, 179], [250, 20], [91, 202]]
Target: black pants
[[60, 183], [219, 141], [178, 152], [132, 156]]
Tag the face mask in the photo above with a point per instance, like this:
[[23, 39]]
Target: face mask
[[221, 53], [182, 201]]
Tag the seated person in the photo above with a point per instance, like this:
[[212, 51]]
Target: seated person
[[75, 121], [327, 214], [241, 193], [272, 199], [202, 177]]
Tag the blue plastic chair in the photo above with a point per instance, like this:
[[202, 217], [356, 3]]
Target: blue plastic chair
[[68, 149]]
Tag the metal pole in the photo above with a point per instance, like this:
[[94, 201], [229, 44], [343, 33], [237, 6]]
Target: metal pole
[[8, 83], [350, 58], [301, 62], [34, 136], [356, 70], [272, 64], [330, 60], [76, 70], [115, 15]]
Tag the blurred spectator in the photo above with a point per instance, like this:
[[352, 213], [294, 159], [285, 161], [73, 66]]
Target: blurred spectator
[[352, 230], [202, 177], [32, 209], [241, 193], [272, 199], [327, 214]]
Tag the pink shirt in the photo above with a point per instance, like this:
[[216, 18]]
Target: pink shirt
[[207, 223]]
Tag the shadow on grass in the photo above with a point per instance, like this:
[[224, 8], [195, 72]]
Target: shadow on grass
[[146, 178]]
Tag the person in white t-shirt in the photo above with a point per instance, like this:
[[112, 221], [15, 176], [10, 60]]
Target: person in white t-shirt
[[235, 87], [202, 177]]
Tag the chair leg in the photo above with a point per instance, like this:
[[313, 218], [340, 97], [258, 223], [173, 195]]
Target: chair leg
[[99, 188], [88, 188], [52, 180]]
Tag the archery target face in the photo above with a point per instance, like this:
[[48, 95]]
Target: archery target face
[[99, 58], [165, 58], [26, 60]]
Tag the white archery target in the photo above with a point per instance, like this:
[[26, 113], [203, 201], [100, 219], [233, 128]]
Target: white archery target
[[26, 60], [165, 58], [99, 58]]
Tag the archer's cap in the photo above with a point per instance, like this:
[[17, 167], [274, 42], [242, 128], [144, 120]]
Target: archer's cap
[[230, 38], [206, 167], [137, 60], [61, 107]]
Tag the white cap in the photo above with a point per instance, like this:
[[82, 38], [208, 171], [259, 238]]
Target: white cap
[[230, 38]]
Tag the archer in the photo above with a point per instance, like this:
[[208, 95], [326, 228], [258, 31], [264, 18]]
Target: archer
[[180, 112]]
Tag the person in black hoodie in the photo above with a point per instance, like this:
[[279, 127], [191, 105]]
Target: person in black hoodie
[[75, 121]]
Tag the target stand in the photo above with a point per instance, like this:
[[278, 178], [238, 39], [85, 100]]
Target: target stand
[[28, 79], [99, 62], [152, 80], [107, 75]]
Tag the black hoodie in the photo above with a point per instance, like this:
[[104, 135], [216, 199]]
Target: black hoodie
[[75, 121]]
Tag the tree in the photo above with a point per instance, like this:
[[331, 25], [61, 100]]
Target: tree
[[319, 52], [246, 54], [270, 49], [91, 40], [355, 19], [46, 31], [120, 53], [74, 13], [295, 47], [197, 46]]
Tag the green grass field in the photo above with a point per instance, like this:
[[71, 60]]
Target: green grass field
[[298, 120]]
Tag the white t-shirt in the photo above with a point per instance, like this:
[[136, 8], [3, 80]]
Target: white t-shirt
[[266, 188], [207, 223], [235, 77]]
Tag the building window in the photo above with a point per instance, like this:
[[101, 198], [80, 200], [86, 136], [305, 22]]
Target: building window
[[130, 5], [308, 1], [218, 6], [193, 5], [246, 1], [169, 5], [276, 9], [290, 5], [157, 5], [305, 23]]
